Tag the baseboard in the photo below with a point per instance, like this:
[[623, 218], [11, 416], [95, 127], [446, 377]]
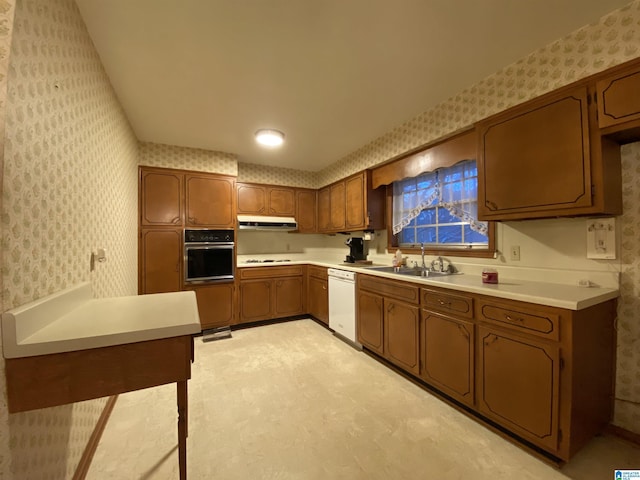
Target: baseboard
[[623, 433], [87, 456]]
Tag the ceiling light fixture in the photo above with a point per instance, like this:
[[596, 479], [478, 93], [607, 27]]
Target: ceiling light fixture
[[270, 138]]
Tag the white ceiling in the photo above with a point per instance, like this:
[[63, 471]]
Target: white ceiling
[[332, 74]]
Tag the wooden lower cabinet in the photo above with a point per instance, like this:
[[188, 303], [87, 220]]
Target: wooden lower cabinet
[[370, 321], [160, 260], [215, 304], [447, 351], [386, 325], [401, 334], [543, 373], [255, 300], [518, 383], [318, 293], [271, 292], [288, 297]]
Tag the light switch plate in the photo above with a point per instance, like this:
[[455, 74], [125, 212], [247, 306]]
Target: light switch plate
[[601, 238]]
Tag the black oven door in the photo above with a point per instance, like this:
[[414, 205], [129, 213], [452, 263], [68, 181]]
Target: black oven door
[[208, 262]]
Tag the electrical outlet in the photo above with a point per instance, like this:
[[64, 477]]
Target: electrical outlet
[[515, 253]]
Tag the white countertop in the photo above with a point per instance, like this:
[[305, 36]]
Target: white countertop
[[543, 293], [71, 320]]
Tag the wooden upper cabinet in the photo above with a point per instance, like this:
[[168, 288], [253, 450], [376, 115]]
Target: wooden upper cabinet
[[352, 205], [545, 159], [324, 207], [252, 199], [282, 201], [256, 199], [209, 201], [618, 97], [160, 197], [306, 210], [337, 208], [536, 158]]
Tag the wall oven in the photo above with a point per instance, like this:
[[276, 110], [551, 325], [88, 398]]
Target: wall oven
[[209, 255]]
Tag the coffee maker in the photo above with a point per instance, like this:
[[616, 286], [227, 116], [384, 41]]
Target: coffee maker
[[359, 249]]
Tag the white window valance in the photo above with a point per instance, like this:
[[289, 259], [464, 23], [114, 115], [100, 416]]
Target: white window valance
[[454, 188]]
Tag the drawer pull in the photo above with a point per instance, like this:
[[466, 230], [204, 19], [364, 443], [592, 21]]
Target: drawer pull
[[516, 319], [444, 304]]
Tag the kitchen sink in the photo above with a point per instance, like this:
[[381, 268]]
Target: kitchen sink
[[413, 272]]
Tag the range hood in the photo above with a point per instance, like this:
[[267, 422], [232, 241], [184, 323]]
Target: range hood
[[259, 222]]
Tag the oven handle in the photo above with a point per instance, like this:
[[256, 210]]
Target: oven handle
[[222, 245]]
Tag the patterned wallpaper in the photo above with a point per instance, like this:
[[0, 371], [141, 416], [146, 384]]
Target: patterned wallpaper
[[7, 10], [253, 173], [70, 186], [169, 156], [627, 411]]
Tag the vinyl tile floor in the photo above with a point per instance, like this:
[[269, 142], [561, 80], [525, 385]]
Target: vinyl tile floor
[[291, 401]]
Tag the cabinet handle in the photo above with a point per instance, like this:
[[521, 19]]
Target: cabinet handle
[[444, 304], [491, 205], [391, 307], [324, 287], [514, 319], [491, 340], [175, 220], [463, 331]]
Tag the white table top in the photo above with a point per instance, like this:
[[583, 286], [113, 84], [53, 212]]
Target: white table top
[[71, 320]]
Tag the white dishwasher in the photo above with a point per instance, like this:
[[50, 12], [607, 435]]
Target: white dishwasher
[[342, 304]]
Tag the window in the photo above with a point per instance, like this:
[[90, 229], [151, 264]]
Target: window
[[440, 209]]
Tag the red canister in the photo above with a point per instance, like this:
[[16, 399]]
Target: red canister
[[489, 275]]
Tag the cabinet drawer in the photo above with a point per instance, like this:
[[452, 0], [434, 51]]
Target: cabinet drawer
[[270, 272], [446, 302], [318, 272], [389, 288], [521, 317]]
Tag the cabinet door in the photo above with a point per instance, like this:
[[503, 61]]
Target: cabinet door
[[324, 210], [306, 211], [160, 253], [160, 198], [289, 297], [518, 385], [318, 299], [535, 159], [282, 201], [210, 201], [215, 304], [255, 300], [355, 202], [337, 208], [401, 335], [370, 321], [619, 98], [447, 355], [252, 199]]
